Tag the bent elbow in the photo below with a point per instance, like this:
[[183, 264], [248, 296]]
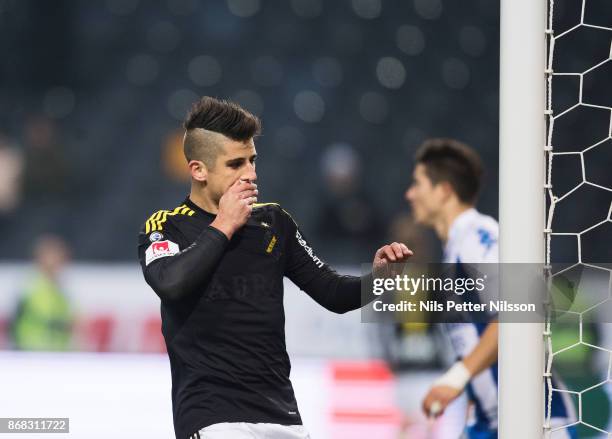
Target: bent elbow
[[167, 291]]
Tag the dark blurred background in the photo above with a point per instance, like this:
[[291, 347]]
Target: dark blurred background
[[92, 98], [94, 93]]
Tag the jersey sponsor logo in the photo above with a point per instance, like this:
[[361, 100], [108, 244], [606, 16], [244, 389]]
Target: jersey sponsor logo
[[160, 249], [308, 249], [155, 236], [247, 288]]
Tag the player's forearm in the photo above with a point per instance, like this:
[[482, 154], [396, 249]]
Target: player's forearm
[[484, 354], [178, 276], [338, 293]]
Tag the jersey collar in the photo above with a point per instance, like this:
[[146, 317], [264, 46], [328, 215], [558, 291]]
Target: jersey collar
[[197, 208]]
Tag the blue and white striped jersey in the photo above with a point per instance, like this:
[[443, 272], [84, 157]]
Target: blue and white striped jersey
[[473, 238]]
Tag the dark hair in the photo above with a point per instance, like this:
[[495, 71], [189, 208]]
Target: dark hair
[[224, 117], [454, 162], [219, 116]]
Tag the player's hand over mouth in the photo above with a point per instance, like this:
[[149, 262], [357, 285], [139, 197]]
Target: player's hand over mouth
[[235, 207]]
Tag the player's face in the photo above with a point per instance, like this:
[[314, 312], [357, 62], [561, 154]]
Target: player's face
[[424, 197], [236, 162]]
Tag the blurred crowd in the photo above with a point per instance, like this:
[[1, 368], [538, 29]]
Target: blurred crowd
[[90, 136]]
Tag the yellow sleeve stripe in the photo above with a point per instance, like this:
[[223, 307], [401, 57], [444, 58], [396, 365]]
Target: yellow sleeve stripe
[[152, 218], [263, 204], [156, 221]]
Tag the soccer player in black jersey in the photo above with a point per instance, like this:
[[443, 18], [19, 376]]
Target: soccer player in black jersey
[[217, 263]]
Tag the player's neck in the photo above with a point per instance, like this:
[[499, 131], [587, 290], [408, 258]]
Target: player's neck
[[201, 198], [449, 214]]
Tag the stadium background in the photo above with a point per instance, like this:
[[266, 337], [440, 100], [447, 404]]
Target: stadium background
[[93, 95]]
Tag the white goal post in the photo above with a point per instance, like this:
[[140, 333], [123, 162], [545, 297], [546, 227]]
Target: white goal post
[[522, 206]]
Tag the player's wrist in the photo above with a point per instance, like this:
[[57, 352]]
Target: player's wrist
[[456, 377], [224, 227]]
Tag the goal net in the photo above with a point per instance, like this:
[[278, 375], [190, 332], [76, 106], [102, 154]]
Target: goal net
[[578, 232]]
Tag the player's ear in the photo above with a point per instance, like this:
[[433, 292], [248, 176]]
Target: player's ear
[[446, 188], [198, 170]]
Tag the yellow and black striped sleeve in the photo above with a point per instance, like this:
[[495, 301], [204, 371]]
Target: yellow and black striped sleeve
[[155, 223]]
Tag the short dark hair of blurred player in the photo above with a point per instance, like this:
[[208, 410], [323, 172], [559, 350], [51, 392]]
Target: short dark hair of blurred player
[[217, 262], [446, 182]]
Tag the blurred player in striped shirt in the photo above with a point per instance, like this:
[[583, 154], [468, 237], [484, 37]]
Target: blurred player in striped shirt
[[446, 182]]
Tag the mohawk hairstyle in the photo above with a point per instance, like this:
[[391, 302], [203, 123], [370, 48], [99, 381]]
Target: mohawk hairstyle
[[224, 117], [454, 162], [210, 115]]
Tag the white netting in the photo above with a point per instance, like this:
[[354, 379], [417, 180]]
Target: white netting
[[584, 184]]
